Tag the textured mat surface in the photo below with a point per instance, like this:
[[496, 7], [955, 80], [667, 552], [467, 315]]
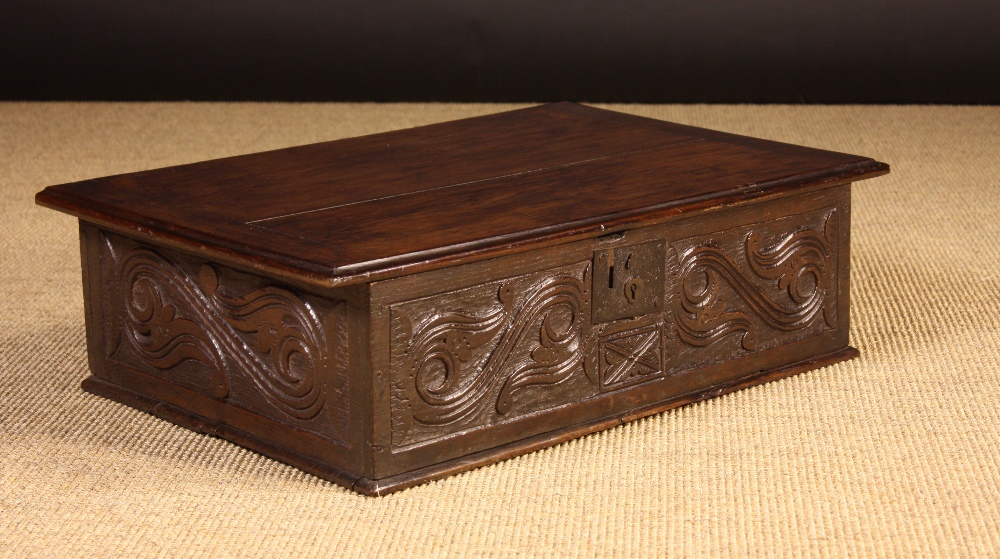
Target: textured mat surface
[[894, 454]]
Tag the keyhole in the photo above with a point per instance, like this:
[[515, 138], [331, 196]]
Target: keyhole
[[633, 290]]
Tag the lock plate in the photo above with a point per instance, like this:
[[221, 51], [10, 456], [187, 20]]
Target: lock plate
[[628, 281]]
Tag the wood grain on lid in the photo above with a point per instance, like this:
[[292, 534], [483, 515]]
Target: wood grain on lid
[[376, 206]]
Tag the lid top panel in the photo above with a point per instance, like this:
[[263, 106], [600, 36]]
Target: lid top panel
[[344, 210]]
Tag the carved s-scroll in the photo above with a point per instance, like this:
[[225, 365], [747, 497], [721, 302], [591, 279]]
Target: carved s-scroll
[[799, 262], [449, 387], [289, 355]]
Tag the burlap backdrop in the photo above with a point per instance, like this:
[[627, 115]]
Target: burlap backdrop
[[892, 454]]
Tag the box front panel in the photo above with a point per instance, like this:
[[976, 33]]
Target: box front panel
[[484, 354]]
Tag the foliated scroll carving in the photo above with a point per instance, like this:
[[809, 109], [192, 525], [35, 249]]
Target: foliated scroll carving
[[480, 356], [441, 347], [260, 346], [458, 368], [799, 261]]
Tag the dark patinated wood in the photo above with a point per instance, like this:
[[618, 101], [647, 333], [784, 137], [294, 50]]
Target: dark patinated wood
[[382, 205], [386, 310]]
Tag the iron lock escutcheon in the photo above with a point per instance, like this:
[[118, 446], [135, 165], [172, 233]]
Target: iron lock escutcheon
[[628, 281]]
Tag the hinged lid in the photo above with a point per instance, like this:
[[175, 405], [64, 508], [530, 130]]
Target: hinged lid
[[378, 206]]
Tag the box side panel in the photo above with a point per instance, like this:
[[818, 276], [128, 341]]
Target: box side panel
[[93, 297], [844, 265], [239, 355], [477, 356]]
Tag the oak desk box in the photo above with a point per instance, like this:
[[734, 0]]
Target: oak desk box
[[390, 309]]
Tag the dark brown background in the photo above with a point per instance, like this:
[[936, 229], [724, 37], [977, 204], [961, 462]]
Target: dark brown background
[[793, 51]]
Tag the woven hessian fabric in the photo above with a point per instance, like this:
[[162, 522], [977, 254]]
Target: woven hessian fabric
[[893, 454]]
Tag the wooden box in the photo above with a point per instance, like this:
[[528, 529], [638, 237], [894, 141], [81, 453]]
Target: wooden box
[[390, 309]]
